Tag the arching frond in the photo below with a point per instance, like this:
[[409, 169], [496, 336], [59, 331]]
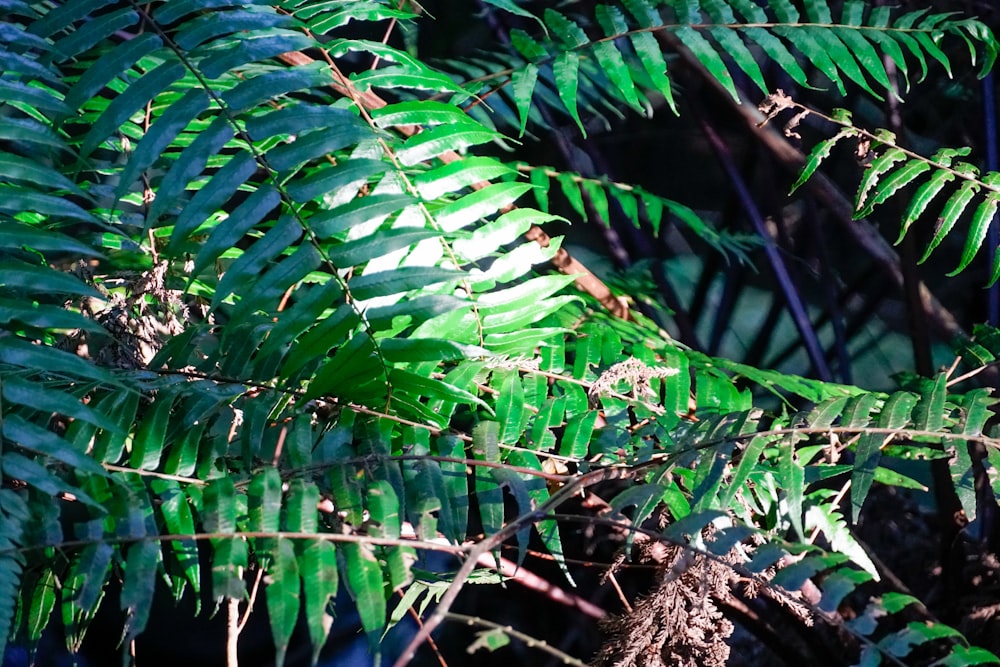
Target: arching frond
[[623, 52]]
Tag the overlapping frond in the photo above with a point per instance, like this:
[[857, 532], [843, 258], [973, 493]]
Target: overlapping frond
[[622, 51], [244, 298], [296, 254]]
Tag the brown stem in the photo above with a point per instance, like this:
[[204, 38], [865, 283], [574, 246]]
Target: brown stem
[[232, 632]]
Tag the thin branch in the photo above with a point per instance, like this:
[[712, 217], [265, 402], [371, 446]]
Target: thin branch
[[529, 641], [253, 598], [973, 373], [513, 572], [795, 306], [441, 544], [613, 580], [152, 473], [232, 632], [430, 640]]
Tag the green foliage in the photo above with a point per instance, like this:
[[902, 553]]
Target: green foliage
[[890, 169], [243, 303], [619, 51]]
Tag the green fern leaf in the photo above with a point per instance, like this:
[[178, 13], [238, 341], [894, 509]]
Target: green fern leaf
[[598, 199], [39, 477], [384, 507], [264, 501], [868, 57], [930, 411], [978, 228], [452, 488], [513, 8], [523, 82], [818, 11], [794, 576], [811, 46], [879, 167], [17, 169], [453, 177], [32, 133], [643, 497], [792, 474], [896, 181], [130, 102], [40, 440], [178, 520], [431, 143], [651, 58], [734, 46], [480, 204], [39, 606], [566, 69], [363, 576], [17, 391], [839, 584], [83, 588], [845, 61], [525, 45], [427, 112], [749, 459], [283, 596], [150, 436], [900, 644], [613, 22], [317, 562], [710, 473], [247, 266], [142, 560], [366, 211], [160, 135], [928, 44], [229, 558], [510, 407], [270, 287], [709, 57], [571, 34], [977, 407], [211, 197], [363, 250], [111, 64], [967, 656], [343, 177], [15, 514], [895, 413], [577, 436], [820, 152], [954, 207], [547, 529], [922, 198]]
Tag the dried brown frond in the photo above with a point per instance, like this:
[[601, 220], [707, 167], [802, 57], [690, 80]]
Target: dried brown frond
[[632, 371], [679, 624]]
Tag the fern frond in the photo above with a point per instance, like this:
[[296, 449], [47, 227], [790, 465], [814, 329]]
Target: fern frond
[[627, 198], [15, 514], [621, 53], [894, 167], [297, 294]]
